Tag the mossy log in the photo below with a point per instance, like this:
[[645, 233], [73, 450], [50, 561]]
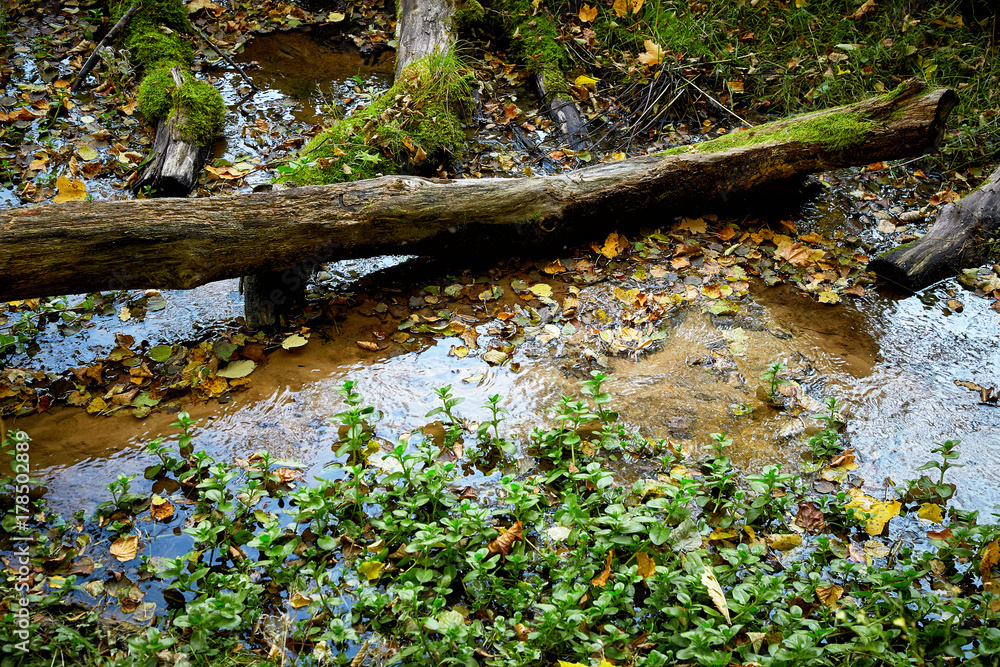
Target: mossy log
[[181, 243], [177, 158], [965, 234], [426, 27]]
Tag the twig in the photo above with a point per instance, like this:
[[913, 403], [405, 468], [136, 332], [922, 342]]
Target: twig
[[92, 60], [720, 104], [226, 57]]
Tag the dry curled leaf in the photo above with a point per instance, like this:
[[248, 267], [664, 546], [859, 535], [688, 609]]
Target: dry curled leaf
[[647, 566], [715, 592], [160, 508], [504, 543], [125, 548], [829, 595]]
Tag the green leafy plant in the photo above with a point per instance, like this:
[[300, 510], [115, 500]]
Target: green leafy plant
[[772, 376], [826, 442]]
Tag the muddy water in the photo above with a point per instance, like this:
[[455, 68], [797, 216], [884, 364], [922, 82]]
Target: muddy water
[[892, 362]]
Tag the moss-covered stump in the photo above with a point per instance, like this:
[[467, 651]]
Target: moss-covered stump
[[188, 113]]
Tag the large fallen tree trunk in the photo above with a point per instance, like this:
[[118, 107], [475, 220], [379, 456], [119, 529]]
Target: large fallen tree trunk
[[965, 234], [181, 243]]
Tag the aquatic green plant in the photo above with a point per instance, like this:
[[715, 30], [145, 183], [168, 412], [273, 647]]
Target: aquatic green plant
[[774, 380]]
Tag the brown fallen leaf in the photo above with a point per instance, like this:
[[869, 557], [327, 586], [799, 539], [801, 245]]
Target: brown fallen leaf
[[160, 508], [125, 548], [368, 345], [504, 543], [810, 517], [991, 556], [286, 475], [863, 9], [602, 578]]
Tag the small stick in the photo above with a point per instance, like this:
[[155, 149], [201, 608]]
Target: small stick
[[92, 60], [226, 58]]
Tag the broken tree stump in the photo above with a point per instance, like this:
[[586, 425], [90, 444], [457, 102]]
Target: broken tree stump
[[178, 156], [965, 234], [562, 110], [182, 243]]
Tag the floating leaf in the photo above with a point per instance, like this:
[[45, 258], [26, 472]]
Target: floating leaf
[[931, 512], [299, 600], [558, 533], [125, 548], [784, 541], [160, 353], [295, 340], [69, 189], [86, 153], [541, 290], [237, 369], [829, 297], [160, 508], [877, 512], [715, 592]]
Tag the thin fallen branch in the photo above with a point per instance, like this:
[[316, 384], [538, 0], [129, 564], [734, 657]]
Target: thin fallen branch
[[96, 55]]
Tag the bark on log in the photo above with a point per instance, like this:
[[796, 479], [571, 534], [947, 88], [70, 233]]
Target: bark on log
[[562, 110], [181, 243], [175, 162], [271, 298], [960, 239]]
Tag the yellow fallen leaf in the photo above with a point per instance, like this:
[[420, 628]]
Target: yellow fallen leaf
[[371, 569], [784, 542], [715, 592], [584, 80], [125, 548], [613, 245], [653, 54], [299, 600], [602, 578], [931, 512], [587, 13], [647, 566], [991, 556], [541, 290], [69, 189], [829, 297], [876, 512], [828, 595]]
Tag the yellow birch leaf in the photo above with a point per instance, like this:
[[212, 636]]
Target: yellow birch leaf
[[931, 512], [69, 189], [715, 592]]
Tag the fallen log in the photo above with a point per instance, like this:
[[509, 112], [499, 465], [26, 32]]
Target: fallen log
[[181, 243], [965, 234]]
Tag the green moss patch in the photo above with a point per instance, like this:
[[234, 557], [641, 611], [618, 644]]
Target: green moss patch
[[197, 103], [836, 130], [419, 118]]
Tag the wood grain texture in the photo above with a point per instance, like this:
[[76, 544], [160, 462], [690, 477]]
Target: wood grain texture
[[181, 243]]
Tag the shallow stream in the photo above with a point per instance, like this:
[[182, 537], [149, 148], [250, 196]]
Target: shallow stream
[[891, 360]]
